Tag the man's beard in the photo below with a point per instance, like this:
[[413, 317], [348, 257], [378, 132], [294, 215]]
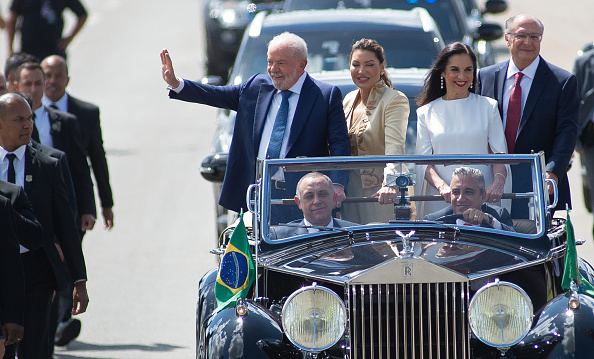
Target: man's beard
[[282, 83]]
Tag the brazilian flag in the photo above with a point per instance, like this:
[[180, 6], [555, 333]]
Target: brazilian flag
[[571, 271], [237, 271]]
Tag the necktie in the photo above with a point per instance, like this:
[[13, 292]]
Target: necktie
[[278, 130], [514, 113], [11, 177], [54, 106], [35, 134]]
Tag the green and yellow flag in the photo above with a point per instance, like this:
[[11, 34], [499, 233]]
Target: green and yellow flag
[[571, 271], [237, 271]]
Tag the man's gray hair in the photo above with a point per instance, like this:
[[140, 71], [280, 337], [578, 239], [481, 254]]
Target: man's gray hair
[[313, 175], [509, 24], [474, 173], [294, 42]]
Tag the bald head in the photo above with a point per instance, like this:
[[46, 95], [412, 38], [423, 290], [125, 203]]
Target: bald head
[[56, 76], [16, 122]]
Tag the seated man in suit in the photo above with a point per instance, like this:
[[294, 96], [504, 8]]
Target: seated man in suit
[[315, 196], [468, 197]]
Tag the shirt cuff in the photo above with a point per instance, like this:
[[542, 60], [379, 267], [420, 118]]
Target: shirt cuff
[[178, 88], [496, 224]]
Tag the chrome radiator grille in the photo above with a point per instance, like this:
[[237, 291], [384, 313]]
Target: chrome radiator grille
[[409, 321]]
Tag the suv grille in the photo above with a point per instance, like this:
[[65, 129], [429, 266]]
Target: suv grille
[[409, 321]]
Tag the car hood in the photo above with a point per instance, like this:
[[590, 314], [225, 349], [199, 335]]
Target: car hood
[[384, 262]]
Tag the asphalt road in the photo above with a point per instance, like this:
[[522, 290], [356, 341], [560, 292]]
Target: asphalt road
[[143, 274]]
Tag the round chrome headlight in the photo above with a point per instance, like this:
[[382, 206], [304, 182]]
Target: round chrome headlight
[[500, 314], [314, 318]]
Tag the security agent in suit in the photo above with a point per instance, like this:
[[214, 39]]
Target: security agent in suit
[[41, 177], [584, 72], [87, 114], [549, 111], [468, 199], [315, 196], [12, 282], [316, 124], [60, 130]]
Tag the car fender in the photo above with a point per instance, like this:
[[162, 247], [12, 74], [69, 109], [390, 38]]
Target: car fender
[[206, 305], [229, 335], [559, 330]]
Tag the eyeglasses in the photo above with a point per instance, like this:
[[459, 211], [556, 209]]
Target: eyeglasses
[[519, 36]]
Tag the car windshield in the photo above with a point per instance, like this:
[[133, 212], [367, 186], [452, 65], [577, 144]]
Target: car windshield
[[330, 50], [451, 24], [408, 196]]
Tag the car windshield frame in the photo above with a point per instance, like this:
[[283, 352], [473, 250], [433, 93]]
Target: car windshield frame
[[262, 206]]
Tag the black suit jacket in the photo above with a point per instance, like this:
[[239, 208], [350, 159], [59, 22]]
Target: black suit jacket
[[500, 213], [45, 186], [318, 128], [60, 156], [87, 115], [12, 281], [30, 233], [549, 120], [66, 137], [281, 231], [584, 72]]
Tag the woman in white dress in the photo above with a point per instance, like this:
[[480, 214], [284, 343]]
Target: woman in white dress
[[452, 119], [377, 117]]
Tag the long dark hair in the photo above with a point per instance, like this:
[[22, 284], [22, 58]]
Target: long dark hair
[[378, 51], [432, 88]]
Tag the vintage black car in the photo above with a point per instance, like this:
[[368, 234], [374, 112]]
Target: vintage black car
[[407, 287]]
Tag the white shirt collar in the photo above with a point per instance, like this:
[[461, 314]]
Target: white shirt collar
[[62, 103], [329, 225], [19, 152], [529, 71], [296, 88]]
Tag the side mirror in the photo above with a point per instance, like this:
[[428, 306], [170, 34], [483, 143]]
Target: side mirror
[[213, 167], [212, 80], [488, 32], [495, 6]]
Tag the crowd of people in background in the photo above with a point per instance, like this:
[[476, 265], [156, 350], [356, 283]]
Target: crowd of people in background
[[51, 146]]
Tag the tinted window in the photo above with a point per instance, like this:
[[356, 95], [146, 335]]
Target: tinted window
[[331, 50]]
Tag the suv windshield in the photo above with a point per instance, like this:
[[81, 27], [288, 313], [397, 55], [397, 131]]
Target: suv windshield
[[330, 50], [407, 196], [450, 22]]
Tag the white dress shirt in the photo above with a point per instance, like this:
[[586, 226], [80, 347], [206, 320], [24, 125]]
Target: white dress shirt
[[19, 170], [526, 82], [61, 104], [314, 230], [43, 125]]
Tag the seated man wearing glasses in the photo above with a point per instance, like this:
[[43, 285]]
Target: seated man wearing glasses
[[468, 197], [315, 197]]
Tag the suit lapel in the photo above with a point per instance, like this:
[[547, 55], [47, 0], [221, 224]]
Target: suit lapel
[[538, 84], [304, 106], [500, 76], [30, 169], [55, 128], [264, 102]]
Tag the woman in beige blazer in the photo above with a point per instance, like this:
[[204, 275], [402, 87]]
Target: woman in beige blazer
[[377, 118]]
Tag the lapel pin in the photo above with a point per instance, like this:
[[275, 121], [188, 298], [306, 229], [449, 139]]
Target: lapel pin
[[29, 178]]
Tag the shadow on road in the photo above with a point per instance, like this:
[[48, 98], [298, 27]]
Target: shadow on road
[[86, 347]]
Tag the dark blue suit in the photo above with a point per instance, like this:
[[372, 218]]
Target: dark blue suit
[[549, 120], [318, 128]]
